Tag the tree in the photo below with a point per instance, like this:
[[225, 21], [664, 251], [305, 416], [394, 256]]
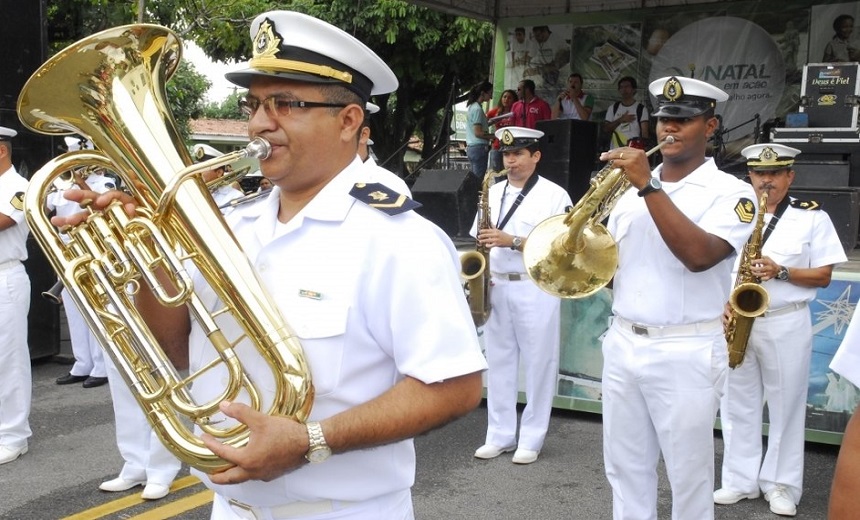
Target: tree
[[226, 109], [431, 53], [185, 91]]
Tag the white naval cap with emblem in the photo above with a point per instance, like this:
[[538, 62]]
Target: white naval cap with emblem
[[516, 137], [769, 156], [299, 47], [75, 143], [680, 97], [204, 152], [371, 108], [7, 133]]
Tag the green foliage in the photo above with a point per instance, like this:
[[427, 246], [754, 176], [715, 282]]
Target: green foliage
[[227, 108], [185, 91]]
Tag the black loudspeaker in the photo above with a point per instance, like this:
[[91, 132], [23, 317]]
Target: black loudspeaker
[[24, 37], [568, 153], [449, 199], [843, 207]]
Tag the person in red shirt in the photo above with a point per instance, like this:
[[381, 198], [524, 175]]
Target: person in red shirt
[[530, 109]]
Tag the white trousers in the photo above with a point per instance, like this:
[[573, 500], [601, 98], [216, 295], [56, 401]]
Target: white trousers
[[16, 383], [660, 395], [524, 326], [775, 370], [145, 457], [89, 357], [394, 506]]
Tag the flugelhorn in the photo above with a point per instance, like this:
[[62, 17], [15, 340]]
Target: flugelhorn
[[574, 255], [109, 87]]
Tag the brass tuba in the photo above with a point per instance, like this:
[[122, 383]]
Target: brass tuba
[[748, 299], [475, 265], [574, 255], [110, 88]]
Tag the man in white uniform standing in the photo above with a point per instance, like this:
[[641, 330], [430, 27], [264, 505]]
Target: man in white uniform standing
[[15, 379], [800, 248], [665, 358], [845, 492], [524, 323], [371, 288]]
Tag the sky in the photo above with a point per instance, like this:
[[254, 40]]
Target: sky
[[214, 71]]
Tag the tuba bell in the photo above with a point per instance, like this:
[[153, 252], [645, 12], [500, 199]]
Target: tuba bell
[[109, 87], [574, 255]]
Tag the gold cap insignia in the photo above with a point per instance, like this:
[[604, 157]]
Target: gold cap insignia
[[672, 90], [745, 210], [17, 201], [767, 155], [199, 153], [267, 42], [507, 138]]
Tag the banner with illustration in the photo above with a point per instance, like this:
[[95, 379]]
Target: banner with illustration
[[755, 52], [831, 399]]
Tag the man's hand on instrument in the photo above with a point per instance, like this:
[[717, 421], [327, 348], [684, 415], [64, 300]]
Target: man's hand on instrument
[[492, 237], [764, 268], [276, 446], [100, 201], [633, 161]]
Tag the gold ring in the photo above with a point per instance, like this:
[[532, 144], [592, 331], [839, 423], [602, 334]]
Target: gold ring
[[621, 156]]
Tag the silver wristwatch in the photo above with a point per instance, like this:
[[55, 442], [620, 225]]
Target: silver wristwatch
[[516, 243], [782, 274], [318, 450]]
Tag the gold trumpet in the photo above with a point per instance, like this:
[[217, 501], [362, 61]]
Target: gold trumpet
[[109, 87], [574, 255]]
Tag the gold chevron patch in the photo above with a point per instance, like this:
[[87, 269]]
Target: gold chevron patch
[[383, 198], [745, 210], [17, 201], [809, 205]]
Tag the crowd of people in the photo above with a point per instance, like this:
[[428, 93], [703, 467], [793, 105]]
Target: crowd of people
[[387, 366]]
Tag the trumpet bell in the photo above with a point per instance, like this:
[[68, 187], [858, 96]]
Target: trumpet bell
[[570, 270]]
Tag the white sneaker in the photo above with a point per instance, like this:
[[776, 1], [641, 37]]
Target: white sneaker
[[781, 502], [524, 456], [726, 496], [120, 484], [490, 451], [154, 491], [10, 453]]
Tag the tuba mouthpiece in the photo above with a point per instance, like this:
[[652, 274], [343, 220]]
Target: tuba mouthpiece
[[259, 148]]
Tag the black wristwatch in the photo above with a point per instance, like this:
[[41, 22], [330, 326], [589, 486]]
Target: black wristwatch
[[653, 185], [782, 274]]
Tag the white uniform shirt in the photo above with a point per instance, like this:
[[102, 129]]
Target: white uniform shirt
[[546, 199], [376, 173], [802, 238], [846, 361], [373, 298], [651, 285], [13, 241]]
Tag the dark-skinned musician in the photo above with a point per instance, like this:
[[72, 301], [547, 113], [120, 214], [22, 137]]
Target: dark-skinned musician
[[665, 359]]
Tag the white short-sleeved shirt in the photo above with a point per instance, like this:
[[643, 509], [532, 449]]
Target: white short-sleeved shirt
[[846, 361], [651, 285], [546, 199], [13, 240], [376, 173], [628, 130], [372, 298], [801, 238]]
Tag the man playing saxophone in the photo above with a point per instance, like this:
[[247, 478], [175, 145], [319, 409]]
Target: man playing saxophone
[[524, 326], [665, 354], [800, 248], [371, 288]]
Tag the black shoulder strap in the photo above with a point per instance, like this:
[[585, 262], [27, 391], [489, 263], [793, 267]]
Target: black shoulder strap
[[615, 108], [639, 110]]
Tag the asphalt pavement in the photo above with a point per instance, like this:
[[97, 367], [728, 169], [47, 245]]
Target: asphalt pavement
[[73, 450]]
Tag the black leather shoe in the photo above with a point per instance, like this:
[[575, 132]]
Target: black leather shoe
[[92, 382], [69, 379]]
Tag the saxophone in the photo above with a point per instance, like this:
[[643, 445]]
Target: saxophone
[[475, 265], [748, 299]]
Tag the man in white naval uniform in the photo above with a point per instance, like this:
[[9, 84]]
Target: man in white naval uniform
[[370, 287], [524, 324], [800, 248], [664, 355], [845, 491], [15, 379], [89, 366]]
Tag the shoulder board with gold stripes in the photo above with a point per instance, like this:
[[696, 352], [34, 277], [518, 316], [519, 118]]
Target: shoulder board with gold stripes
[[383, 198], [808, 205]]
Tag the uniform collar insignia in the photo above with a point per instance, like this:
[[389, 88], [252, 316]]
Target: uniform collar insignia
[[383, 198]]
